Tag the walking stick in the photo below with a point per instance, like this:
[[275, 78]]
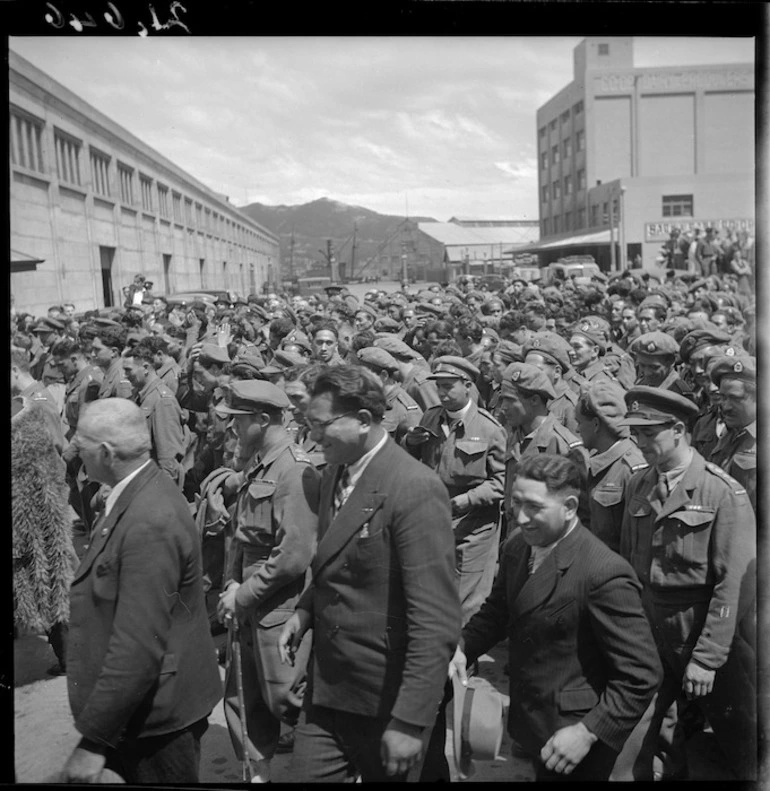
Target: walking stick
[[235, 648]]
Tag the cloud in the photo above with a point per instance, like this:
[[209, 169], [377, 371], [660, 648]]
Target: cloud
[[519, 170]]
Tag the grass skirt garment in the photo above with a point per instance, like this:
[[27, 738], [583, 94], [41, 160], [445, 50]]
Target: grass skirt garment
[[44, 558]]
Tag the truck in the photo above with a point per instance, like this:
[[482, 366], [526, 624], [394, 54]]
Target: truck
[[581, 267]]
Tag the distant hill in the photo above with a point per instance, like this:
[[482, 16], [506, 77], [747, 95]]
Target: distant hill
[[315, 222]]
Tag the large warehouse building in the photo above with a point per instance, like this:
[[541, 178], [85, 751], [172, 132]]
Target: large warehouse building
[[91, 206], [625, 154]]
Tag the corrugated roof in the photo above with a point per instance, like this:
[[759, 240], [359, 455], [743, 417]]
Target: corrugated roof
[[451, 234], [598, 237]]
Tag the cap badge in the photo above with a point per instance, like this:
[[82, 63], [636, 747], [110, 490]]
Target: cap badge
[[738, 367], [515, 376], [635, 406], [651, 346], [585, 326], [536, 342], [730, 351]]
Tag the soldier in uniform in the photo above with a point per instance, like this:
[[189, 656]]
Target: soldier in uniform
[[613, 458], [654, 355], [106, 349], [402, 411], [465, 446], [160, 407], [588, 347], [736, 451], [165, 365], [694, 351], [526, 392], [550, 353], [49, 331], [617, 361], [414, 372], [275, 520], [83, 383], [689, 532]]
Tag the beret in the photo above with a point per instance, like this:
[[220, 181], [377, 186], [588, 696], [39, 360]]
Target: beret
[[509, 351], [527, 377], [739, 367], [451, 367], [475, 295], [653, 406], [351, 303], [258, 310], [654, 301], [699, 339], [211, 353], [492, 333], [366, 308], [552, 291], [377, 358], [606, 400], [48, 325], [386, 324], [283, 359], [397, 348], [426, 307], [246, 398], [654, 344], [550, 345], [591, 330], [103, 321], [298, 338], [252, 358], [701, 283]]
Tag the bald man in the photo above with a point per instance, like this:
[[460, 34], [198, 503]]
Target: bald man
[[141, 666]]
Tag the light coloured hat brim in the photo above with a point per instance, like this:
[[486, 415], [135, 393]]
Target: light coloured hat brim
[[227, 410], [643, 421]]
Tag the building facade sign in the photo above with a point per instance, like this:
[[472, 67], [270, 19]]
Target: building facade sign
[[661, 231], [673, 81]]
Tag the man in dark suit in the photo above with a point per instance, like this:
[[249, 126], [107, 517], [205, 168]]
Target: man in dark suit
[[141, 665], [583, 666], [383, 602]]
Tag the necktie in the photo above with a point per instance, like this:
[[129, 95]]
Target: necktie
[[340, 490], [662, 487], [531, 563]]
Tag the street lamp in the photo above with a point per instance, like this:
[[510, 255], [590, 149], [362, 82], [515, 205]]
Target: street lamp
[[622, 226]]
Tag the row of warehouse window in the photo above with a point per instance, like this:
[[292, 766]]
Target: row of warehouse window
[[27, 151], [576, 111], [564, 151], [553, 191]]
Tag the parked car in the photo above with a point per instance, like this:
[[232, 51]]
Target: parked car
[[581, 270], [205, 295], [490, 282]]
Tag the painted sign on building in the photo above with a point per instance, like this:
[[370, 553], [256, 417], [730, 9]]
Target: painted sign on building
[[737, 78], [661, 231]]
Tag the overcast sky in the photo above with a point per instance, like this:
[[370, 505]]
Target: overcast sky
[[447, 124]]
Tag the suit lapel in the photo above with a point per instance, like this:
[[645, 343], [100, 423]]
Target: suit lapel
[[358, 509], [539, 586], [103, 529]]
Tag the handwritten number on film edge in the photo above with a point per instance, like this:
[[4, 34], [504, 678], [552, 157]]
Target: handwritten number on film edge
[[114, 18]]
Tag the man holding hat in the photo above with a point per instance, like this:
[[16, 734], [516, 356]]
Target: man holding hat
[[654, 356], [414, 372], [402, 411], [689, 532], [275, 506], [613, 459], [526, 392], [736, 451], [583, 667], [465, 445]]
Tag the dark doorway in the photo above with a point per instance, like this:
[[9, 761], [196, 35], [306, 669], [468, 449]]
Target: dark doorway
[[106, 257]]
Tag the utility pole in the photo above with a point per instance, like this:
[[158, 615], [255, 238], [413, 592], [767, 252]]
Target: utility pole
[[291, 255], [353, 253]]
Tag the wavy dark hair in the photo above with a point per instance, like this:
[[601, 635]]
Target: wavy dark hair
[[352, 387], [560, 474]]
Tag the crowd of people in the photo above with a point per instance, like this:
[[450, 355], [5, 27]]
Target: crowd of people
[[369, 495]]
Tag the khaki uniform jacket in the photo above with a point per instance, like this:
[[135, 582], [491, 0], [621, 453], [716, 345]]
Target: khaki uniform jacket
[[420, 388], [164, 419], [275, 521], [115, 384], [563, 406], [401, 413], [608, 477], [736, 454], [691, 554], [83, 389], [597, 370], [169, 375], [549, 437]]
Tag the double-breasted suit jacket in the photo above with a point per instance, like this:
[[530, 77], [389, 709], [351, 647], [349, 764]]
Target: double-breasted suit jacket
[[383, 599], [140, 658], [580, 647]]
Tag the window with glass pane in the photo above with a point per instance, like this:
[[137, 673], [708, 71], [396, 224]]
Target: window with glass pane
[[567, 147], [126, 175], [26, 141], [556, 190], [555, 155], [146, 186], [100, 173], [177, 200], [677, 206], [188, 211], [581, 177], [568, 185], [163, 201], [580, 140]]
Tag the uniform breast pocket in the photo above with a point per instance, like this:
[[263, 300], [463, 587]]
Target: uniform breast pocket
[[259, 505], [687, 535], [745, 462], [608, 495], [471, 458], [105, 578]]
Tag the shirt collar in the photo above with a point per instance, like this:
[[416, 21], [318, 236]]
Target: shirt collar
[[356, 469], [462, 413], [117, 490]]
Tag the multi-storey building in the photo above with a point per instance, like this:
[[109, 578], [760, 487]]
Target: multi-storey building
[[625, 154], [91, 206]]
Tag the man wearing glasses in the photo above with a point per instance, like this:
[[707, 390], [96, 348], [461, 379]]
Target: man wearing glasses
[[382, 603]]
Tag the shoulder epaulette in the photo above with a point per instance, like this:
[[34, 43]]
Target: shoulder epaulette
[[489, 416], [576, 444], [636, 467], [728, 479], [433, 409], [38, 397], [412, 406], [299, 453]]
